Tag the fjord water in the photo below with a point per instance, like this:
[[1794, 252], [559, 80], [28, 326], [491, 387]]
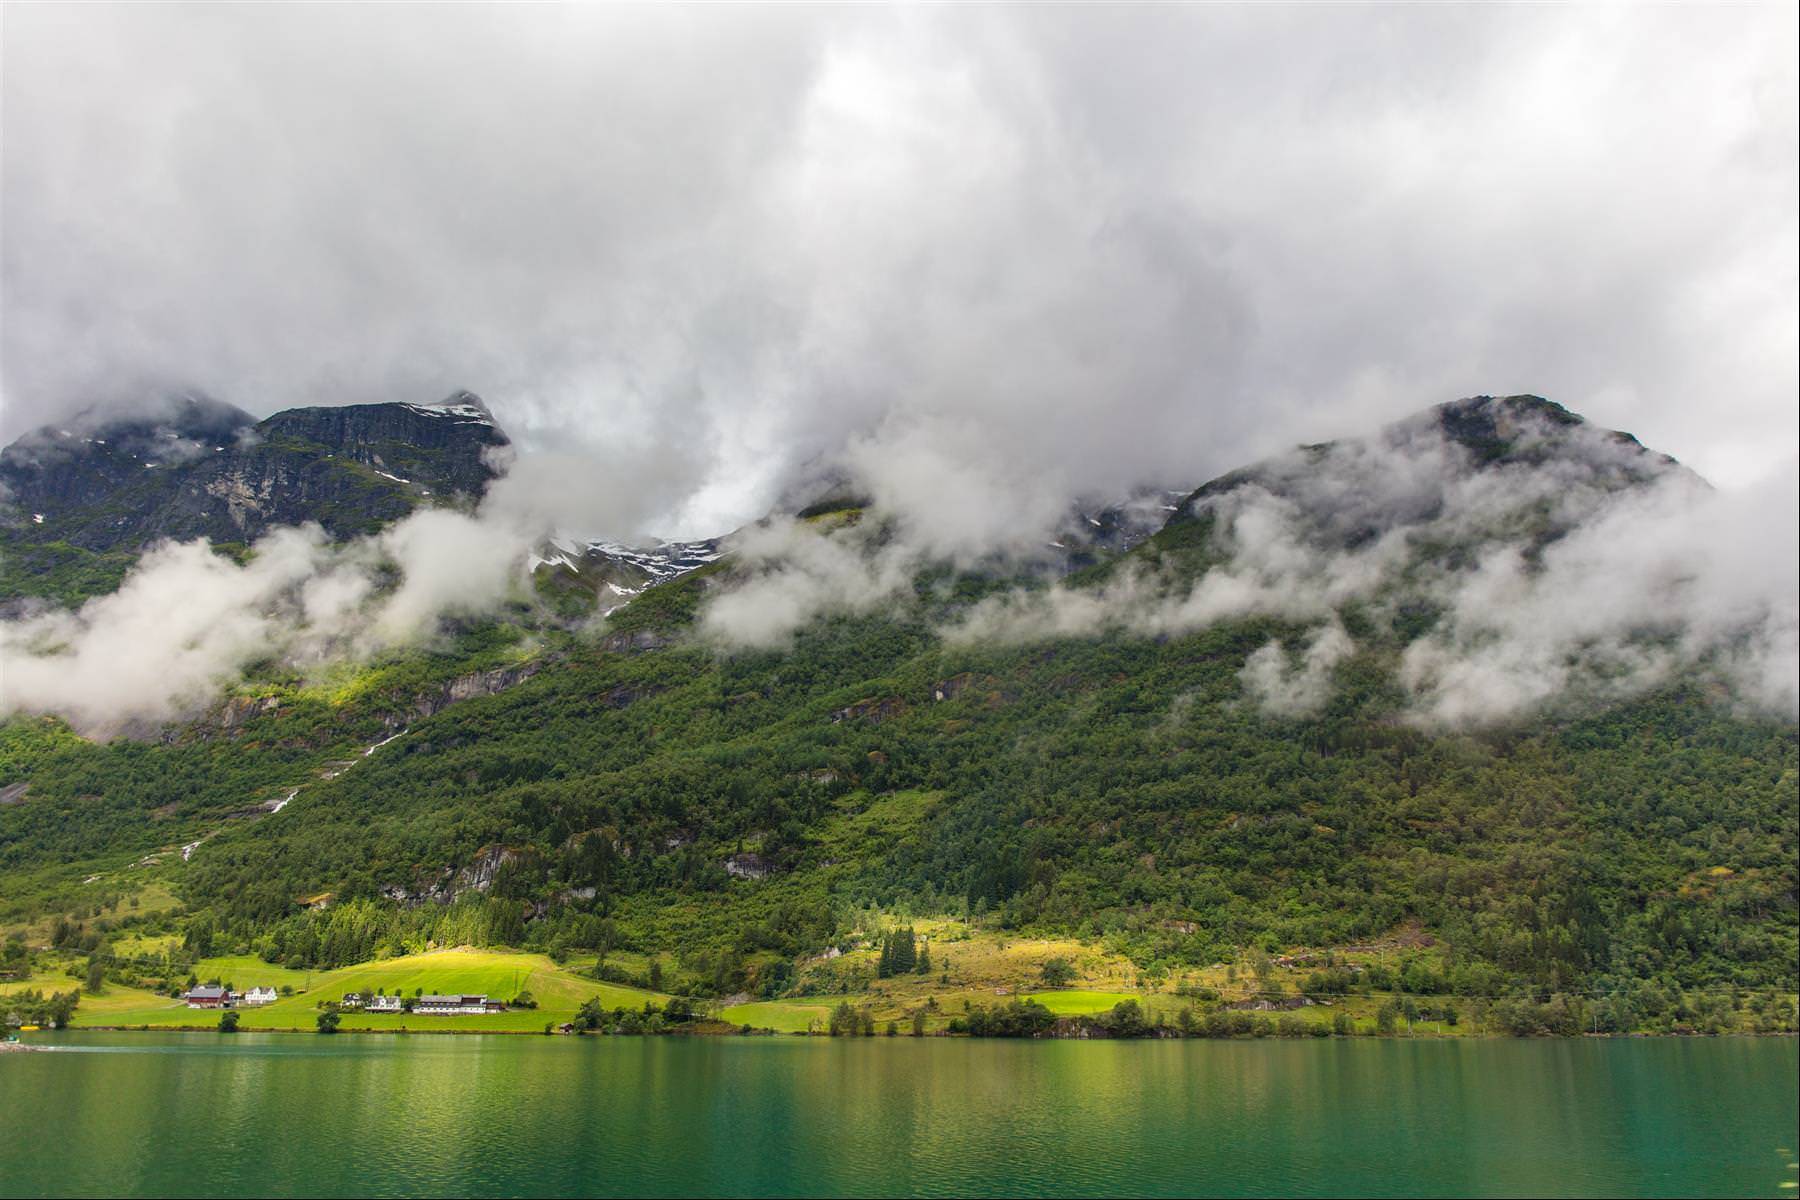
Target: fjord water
[[208, 1114]]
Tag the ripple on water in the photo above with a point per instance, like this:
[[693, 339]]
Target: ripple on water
[[156, 1114]]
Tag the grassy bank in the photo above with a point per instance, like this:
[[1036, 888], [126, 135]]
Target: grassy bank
[[502, 975], [970, 969]]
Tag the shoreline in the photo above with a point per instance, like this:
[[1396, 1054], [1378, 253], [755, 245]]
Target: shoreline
[[727, 1030]]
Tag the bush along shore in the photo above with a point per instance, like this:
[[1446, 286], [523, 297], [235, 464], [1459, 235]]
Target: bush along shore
[[926, 977]]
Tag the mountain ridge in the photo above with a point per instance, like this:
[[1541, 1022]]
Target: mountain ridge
[[228, 477], [78, 502]]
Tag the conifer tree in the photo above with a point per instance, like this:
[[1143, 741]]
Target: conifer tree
[[905, 957]]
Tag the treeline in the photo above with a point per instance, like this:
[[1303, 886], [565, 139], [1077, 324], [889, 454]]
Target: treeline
[[30, 1006], [592, 1017]]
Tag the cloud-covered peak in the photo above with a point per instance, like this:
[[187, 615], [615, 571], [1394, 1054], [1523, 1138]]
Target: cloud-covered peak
[[979, 254]]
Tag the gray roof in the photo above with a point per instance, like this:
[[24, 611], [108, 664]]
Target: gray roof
[[206, 993]]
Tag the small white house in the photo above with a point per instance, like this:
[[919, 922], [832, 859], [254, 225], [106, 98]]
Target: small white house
[[386, 1004], [259, 995]]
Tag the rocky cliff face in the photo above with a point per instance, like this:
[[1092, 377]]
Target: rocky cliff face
[[198, 468]]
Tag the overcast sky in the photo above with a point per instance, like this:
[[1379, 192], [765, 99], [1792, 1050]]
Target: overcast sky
[[988, 257]]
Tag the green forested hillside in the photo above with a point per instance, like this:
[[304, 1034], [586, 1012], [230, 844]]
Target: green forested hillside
[[1113, 789], [637, 793]]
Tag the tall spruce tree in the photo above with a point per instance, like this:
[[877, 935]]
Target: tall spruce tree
[[905, 952]]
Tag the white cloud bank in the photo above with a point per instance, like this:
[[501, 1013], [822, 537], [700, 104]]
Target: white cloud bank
[[981, 259], [993, 255], [186, 622], [1552, 581]]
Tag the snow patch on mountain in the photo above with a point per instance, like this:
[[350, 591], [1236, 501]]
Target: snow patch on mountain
[[663, 561], [461, 412]]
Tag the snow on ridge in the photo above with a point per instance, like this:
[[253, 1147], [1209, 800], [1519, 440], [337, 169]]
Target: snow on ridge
[[661, 561], [560, 558], [461, 412]]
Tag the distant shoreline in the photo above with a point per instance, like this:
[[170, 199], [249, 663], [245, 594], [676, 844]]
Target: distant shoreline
[[724, 1029]]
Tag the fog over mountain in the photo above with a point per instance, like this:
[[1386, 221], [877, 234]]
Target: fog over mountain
[[970, 264], [985, 259]]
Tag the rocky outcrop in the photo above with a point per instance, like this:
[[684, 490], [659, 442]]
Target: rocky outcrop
[[1270, 1004], [633, 641], [874, 711], [748, 865], [239, 710], [466, 687], [970, 686], [478, 876], [951, 688]]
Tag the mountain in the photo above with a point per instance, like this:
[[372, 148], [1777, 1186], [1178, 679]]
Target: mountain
[[583, 575], [639, 798], [1405, 474], [77, 502]]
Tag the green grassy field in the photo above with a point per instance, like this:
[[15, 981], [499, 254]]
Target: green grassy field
[[498, 974], [247, 971], [971, 969], [779, 1015], [93, 1010], [1081, 1004]]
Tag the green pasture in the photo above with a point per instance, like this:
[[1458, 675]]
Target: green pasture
[[500, 975], [1081, 1004], [780, 1015]]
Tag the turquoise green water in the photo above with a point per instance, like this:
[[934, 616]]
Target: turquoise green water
[[205, 1114]]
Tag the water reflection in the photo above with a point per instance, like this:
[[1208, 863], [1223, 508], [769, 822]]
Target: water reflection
[[154, 1114]]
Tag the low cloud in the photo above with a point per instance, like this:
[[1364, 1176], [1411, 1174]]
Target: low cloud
[[186, 622], [977, 259], [1584, 570], [1286, 689], [1658, 583], [791, 573], [1553, 580], [989, 256]]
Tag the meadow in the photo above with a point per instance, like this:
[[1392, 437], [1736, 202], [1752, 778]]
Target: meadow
[[499, 974]]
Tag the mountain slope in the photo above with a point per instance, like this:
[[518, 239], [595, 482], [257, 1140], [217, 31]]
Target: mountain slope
[[745, 812]]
